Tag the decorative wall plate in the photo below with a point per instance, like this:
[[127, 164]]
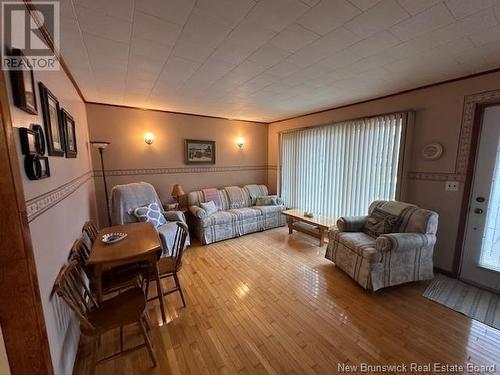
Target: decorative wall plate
[[113, 237], [432, 151]]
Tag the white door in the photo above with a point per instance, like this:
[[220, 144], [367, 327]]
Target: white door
[[481, 256]]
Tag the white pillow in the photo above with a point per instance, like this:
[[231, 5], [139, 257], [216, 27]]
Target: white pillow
[[151, 214]]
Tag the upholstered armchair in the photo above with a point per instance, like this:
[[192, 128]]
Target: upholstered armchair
[[126, 198], [387, 259]]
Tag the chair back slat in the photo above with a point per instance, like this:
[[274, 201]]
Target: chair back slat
[[91, 229], [81, 249], [72, 286], [179, 243]]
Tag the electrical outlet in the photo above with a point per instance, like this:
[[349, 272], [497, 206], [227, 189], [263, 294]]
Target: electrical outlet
[[451, 186]]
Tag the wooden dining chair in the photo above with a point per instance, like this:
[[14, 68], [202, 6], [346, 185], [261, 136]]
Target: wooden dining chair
[[170, 265], [95, 319], [90, 227]]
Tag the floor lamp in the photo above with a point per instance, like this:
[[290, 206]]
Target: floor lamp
[[101, 145]]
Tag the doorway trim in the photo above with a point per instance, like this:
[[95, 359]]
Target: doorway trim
[[472, 117]]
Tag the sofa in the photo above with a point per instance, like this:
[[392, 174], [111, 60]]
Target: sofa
[[376, 262], [125, 198], [237, 213]]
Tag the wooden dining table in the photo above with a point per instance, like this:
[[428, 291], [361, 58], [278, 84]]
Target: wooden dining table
[[142, 244]]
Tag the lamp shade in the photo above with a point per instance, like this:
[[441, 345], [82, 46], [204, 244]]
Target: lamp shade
[[177, 191], [100, 144]]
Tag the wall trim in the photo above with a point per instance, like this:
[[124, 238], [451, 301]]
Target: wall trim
[[435, 176], [41, 203], [181, 170]]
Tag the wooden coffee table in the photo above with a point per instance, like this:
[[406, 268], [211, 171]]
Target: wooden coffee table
[[316, 226]]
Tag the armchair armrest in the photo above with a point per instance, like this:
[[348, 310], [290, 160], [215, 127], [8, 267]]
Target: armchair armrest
[[351, 223], [197, 211], [404, 241], [174, 216]]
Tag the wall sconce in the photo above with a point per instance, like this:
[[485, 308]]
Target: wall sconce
[[149, 138], [240, 142]]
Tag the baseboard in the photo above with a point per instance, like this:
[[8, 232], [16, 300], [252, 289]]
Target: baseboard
[[445, 272]]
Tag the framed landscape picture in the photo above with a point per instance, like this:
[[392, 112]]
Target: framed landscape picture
[[53, 129], [68, 124], [199, 152], [23, 87]]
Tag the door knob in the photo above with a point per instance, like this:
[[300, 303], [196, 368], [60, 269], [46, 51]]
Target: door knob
[[478, 211]]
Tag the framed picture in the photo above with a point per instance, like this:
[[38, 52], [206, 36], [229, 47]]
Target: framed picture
[[69, 134], [32, 167], [53, 128], [199, 152], [40, 140], [29, 141], [23, 87], [44, 167]]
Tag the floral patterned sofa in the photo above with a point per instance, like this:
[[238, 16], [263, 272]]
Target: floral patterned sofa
[[389, 259], [236, 213]]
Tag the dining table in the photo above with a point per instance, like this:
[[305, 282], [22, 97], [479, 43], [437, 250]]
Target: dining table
[[141, 245]]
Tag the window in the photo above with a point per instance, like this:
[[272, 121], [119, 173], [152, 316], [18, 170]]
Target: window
[[339, 169]]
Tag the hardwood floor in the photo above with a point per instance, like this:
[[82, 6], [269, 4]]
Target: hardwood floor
[[271, 303]]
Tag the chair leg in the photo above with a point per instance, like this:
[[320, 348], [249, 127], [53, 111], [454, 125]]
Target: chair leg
[[93, 355], [121, 339], [147, 288], [178, 284], [148, 343]]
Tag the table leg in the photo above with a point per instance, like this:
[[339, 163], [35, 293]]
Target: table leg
[[159, 291], [321, 237], [289, 220]]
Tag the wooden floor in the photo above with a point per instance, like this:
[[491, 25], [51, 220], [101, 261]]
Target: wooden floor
[[271, 303]]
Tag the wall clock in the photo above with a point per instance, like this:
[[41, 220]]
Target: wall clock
[[432, 151]]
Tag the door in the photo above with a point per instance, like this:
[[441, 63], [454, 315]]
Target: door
[[481, 256]]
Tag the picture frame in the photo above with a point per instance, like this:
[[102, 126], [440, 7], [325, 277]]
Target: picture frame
[[52, 122], [29, 141], [40, 138], [199, 152], [32, 167], [23, 87], [44, 167], [69, 128]]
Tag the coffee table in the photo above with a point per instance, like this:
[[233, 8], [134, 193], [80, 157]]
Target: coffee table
[[316, 226]]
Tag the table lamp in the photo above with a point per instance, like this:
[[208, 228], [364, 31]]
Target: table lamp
[[177, 192]]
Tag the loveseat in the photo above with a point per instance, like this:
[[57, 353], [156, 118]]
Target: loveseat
[[236, 212], [400, 255]]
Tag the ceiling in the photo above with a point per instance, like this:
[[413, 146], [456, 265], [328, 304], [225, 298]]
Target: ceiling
[[271, 59]]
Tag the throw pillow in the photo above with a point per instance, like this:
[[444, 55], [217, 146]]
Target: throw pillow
[[209, 207], [380, 222], [151, 214], [268, 200]]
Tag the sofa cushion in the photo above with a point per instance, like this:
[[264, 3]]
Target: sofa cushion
[[255, 191], [245, 213], [151, 214], [220, 217], [268, 200], [358, 242], [269, 209], [209, 207], [238, 197]]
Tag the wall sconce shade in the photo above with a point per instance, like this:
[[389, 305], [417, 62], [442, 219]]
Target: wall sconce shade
[[149, 138], [100, 144], [240, 142]]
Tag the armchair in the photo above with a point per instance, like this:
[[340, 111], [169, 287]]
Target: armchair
[[125, 198], [391, 258]]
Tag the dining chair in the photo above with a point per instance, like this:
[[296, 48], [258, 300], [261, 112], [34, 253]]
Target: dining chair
[[95, 318], [169, 266], [90, 227]]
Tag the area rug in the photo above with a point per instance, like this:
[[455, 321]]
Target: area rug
[[476, 303]]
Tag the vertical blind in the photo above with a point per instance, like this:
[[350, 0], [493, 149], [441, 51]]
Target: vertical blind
[[339, 169]]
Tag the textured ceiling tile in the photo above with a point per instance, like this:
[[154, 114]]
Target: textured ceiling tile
[[116, 8], [225, 12], [204, 31], [328, 15], [187, 49], [428, 20], [413, 7], [268, 55], [99, 24], [276, 14], [178, 70], [491, 35], [150, 49], [380, 17], [176, 11], [155, 29], [463, 8], [294, 37], [106, 48], [365, 4], [374, 44]]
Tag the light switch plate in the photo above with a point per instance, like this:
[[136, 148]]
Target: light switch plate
[[451, 186]]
